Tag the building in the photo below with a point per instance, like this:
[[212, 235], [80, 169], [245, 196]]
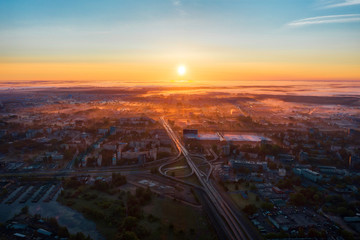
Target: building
[[103, 131], [277, 190], [114, 160], [328, 169], [44, 232], [153, 153], [99, 160], [111, 147], [3, 132], [286, 158], [141, 158], [303, 156], [237, 164], [165, 149], [162, 136], [112, 130], [226, 150], [270, 158], [234, 138], [54, 155], [280, 222], [307, 173], [354, 161], [190, 132], [31, 133], [83, 162], [353, 132], [282, 172]]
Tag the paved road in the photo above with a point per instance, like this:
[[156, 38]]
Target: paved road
[[70, 171], [232, 225]]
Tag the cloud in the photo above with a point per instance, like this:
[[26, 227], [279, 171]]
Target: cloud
[[179, 7], [343, 3], [346, 18], [177, 3]]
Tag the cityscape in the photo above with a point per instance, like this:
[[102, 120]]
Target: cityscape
[[125, 121]]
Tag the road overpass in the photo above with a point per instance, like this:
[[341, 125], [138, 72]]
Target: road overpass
[[234, 227]]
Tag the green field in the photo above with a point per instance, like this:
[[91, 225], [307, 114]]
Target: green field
[[237, 197], [103, 203], [204, 168], [178, 172], [192, 179], [180, 162], [198, 160], [188, 222], [163, 218]]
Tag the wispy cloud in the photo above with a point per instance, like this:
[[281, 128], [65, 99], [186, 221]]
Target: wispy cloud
[[177, 3], [343, 3], [179, 6], [346, 18]]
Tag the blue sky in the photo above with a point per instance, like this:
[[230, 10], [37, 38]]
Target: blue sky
[[180, 30], [146, 24]]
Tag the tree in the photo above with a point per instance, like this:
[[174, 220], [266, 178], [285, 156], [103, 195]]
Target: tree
[[63, 232], [171, 227], [153, 170], [128, 236], [297, 199], [313, 233], [79, 236], [272, 165], [25, 210], [347, 235], [267, 206], [250, 209], [117, 179], [129, 224]]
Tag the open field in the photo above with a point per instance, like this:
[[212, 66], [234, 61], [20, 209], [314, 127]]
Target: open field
[[239, 200], [179, 163], [108, 209], [179, 172], [102, 202], [188, 222], [192, 179]]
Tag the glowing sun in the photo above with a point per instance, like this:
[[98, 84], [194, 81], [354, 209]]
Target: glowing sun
[[181, 70]]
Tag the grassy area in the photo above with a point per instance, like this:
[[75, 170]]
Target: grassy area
[[205, 168], [104, 203], [179, 172], [161, 218], [237, 197], [181, 162], [198, 160], [188, 222], [192, 179]]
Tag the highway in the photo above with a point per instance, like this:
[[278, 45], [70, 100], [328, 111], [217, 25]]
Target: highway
[[233, 226]]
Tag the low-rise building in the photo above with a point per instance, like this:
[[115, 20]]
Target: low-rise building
[[307, 173], [328, 169], [99, 160], [236, 164]]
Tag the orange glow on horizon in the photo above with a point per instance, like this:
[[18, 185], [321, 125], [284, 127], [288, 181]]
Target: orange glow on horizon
[[156, 73]]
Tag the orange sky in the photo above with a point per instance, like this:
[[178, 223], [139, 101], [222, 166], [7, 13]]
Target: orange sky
[[165, 73]]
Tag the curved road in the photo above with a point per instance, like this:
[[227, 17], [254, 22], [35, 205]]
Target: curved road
[[234, 227]]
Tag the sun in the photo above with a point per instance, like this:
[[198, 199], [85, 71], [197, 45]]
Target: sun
[[181, 70]]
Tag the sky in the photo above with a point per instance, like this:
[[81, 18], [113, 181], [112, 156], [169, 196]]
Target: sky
[[143, 42]]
